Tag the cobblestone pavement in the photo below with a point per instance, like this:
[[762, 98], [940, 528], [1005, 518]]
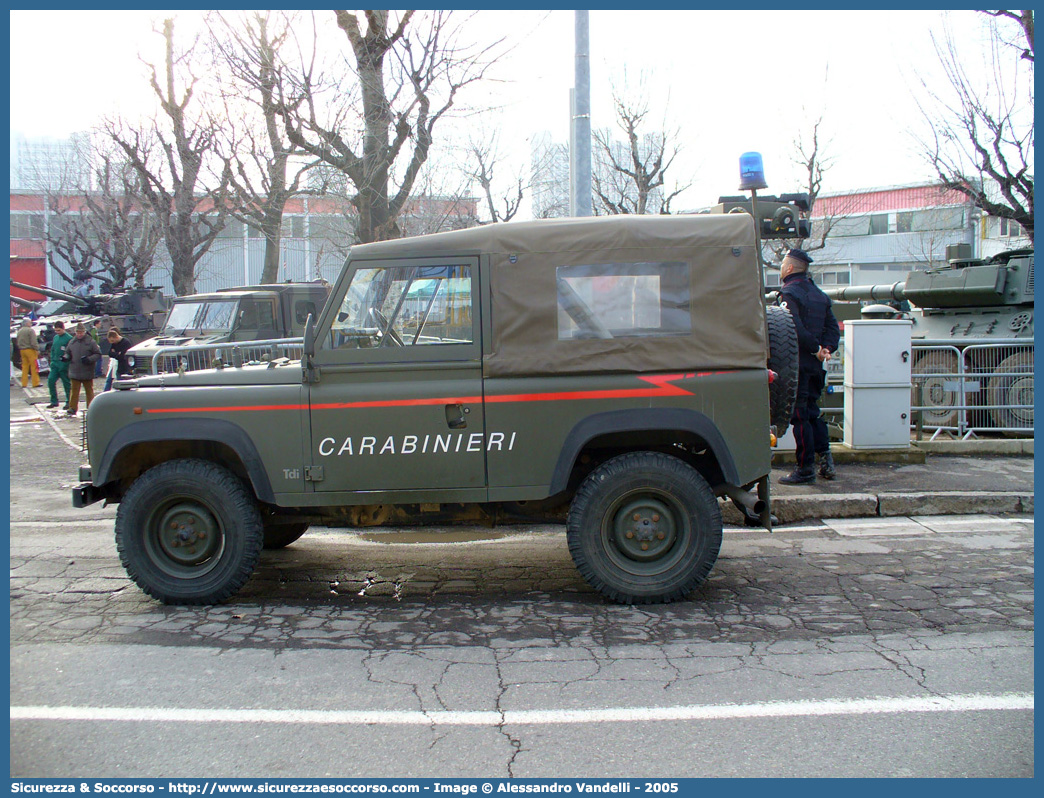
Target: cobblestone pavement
[[333, 590]]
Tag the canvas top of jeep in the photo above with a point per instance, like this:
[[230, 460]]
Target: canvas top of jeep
[[618, 366], [715, 321]]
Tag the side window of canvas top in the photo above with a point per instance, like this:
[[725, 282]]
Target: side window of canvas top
[[623, 300]]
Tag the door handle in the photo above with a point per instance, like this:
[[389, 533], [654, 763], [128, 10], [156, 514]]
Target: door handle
[[456, 416]]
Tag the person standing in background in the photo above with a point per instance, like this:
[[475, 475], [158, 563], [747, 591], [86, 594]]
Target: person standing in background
[[82, 354], [118, 366], [96, 326], [29, 349], [59, 368], [818, 336]]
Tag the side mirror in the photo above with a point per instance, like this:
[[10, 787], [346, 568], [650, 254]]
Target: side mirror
[[309, 336]]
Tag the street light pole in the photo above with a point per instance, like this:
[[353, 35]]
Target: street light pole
[[581, 138]]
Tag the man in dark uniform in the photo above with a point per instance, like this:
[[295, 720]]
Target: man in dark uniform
[[818, 336]]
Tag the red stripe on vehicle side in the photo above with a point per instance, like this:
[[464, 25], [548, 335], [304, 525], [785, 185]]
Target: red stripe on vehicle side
[[662, 383]]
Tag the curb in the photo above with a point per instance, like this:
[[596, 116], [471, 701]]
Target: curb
[[1008, 446], [791, 509], [844, 454]]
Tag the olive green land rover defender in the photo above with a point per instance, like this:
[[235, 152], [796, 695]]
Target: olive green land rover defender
[[618, 366]]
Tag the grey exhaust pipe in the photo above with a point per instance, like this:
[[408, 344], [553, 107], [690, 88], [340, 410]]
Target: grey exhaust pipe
[[746, 498]]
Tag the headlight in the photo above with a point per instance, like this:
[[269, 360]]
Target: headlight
[[130, 361]]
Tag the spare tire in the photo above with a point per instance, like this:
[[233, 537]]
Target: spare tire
[[783, 360]]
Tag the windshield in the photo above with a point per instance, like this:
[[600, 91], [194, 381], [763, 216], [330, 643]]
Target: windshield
[[212, 315], [53, 307]]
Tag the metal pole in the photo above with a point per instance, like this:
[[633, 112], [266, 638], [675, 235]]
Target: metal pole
[[757, 236], [308, 241], [582, 118]]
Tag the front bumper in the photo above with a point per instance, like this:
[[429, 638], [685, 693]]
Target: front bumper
[[85, 493]]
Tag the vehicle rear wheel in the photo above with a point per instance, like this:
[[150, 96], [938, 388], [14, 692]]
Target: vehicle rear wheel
[[783, 360], [644, 528], [940, 404], [1012, 386], [278, 534], [189, 532]]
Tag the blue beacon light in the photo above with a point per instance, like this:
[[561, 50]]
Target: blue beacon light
[[752, 171]]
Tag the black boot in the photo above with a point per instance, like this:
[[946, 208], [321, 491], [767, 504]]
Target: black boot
[[826, 465], [800, 476]]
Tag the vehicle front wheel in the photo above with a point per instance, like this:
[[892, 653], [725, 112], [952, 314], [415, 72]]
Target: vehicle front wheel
[[189, 532], [644, 528]]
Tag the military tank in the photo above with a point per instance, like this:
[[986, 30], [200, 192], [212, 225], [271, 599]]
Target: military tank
[[973, 318], [139, 314]]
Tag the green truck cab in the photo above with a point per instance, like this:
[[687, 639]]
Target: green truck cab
[[615, 365], [197, 322]]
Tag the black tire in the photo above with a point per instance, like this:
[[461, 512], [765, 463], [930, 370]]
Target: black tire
[[650, 500], [783, 359], [1012, 385], [189, 532], [279, 534], [934, 370]]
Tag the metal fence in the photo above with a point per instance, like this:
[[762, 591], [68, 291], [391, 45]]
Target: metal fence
[[966, 390], [169, 359]]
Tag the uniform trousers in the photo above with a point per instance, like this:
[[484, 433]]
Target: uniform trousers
[[811, 436]]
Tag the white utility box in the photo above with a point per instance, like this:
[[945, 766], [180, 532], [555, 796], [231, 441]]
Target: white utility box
[[877, 384]]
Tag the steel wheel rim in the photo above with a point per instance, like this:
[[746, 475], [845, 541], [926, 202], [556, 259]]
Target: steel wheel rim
[[1021, 393], [184, 538], [652, 518], [1018, 390], [938, 403]]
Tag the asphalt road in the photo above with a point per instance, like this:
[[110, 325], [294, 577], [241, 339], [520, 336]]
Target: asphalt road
[[869, 647]]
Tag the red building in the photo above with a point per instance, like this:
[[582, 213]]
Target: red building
[[28, 255]]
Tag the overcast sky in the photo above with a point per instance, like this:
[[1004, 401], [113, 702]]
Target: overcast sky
[[729, 81]]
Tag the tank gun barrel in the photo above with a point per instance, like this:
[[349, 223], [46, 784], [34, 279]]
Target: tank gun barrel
[[52, 292], [28, 304], [878, 293]]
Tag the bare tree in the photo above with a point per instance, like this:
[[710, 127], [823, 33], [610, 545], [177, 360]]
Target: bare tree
[[408, 71], [1021, 40], [70, 251], [482, 161], [982, 130], [810, 154], [549, 178], [629, 175], [174, 180], [265, 172], [107, 231]]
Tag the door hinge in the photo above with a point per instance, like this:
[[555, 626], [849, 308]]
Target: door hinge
[[313, 473]]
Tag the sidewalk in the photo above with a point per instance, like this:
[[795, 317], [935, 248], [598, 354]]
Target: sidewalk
[[956, 478], [960, 478]]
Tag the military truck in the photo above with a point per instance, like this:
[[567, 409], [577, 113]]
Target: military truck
[[972, 318], [248, 313], [614, 365], [138, 312]]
